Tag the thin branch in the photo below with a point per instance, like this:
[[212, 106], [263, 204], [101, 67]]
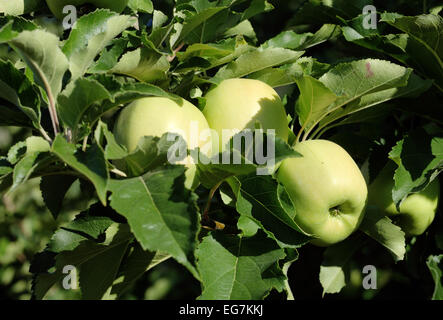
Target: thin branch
[[208, 203], [180, 46], [85, 144], [45, 134]]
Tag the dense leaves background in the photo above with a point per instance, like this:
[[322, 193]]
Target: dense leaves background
[[53, 191]]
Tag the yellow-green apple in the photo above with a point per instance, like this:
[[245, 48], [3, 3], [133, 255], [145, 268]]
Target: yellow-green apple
[[417, 211], [327, 189], [238, 104], [155, 116]]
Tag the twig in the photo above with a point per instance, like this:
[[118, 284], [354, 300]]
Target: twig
[[85, 144], [45, 134], [180, 46], [208, 203]]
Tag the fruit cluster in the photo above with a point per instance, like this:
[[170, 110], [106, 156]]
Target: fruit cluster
[[326, 186]]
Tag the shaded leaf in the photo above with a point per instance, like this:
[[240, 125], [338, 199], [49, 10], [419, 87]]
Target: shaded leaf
[[232, 267]]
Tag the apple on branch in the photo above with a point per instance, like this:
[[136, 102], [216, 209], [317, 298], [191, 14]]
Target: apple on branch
[[155, 116], [327, 189], [417, 211], [238, 104]]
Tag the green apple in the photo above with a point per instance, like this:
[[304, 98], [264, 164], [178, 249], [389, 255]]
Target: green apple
[[155, 116], [56, 6], [327, 189], [417, 211], [237, 104]]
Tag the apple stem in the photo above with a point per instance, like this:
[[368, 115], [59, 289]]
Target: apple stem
[[334, 211]]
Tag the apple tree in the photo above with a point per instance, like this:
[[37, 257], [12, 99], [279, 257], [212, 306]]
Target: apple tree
[[309, 147]]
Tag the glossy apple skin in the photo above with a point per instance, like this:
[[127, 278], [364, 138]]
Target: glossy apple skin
[[236, 104], [56, 6], [155, 116], [417, 211], [327, 189]]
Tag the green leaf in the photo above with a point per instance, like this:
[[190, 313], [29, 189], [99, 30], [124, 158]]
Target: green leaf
[[210, 21], [218, 53], [91, 163], [426, 28], [319, 12], [17, 89], [264, 201], [97, 274], [232, 267], [158, 223], [418, 47], [122, 93], [41, 52], [196, 20], [243, 29], [301, 41], [353, 111], [75, 100], [141, 5], [274, 77], [314, 100], [150, 153], [16, 152], [54, 189], [90, 35], [13, 117], [380, 228], [143, 64], [419, 157], [36, 152], [88, 225], [434, 265], [239, 159], [354, 82], [256, 60], [291, 256], [137, 262], [310, 66], [248, 227], [112, 150], [109, 57], [335, 261], [96, 264]]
